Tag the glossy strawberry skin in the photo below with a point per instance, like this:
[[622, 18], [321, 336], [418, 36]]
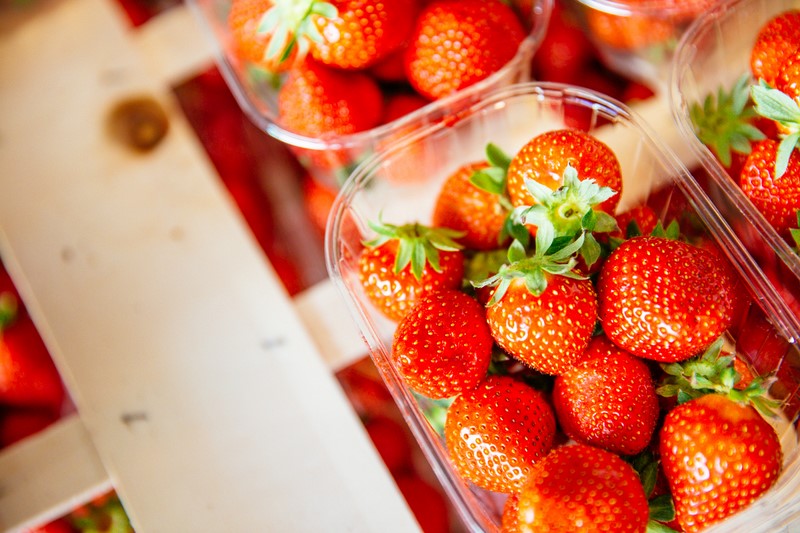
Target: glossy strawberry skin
[[718, 457], [545, 157], [462, 206], [663, 299], [582, 488], [443, 346], [395, 294], [776, 39], [249, 44], [777, 198], [363, 32], [28, 376], [608, 400], [496, 432], [457, 43], [548, 332], [316, 100]]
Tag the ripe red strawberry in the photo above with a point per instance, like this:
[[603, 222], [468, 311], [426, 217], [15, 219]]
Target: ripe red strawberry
[[583, 488], [400, 104], [316, 100], [443, 346], [629, 32], [607, 400], [545, 158], [19, 423], [428, 504], [496, 432], [391, 441], [509, 520], [777, 38], [776, 196], [541, 312], [28, 377], [250, 44], [639, 220], [407, 262], [457, 43], [664, 299], [718, 457], [465, 207], [363, 31]]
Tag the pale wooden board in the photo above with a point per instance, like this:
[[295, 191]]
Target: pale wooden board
[[49, 474], [206, 400]]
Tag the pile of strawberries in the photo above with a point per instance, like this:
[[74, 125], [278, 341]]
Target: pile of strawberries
[[584, 362], [32, 394], [754, 128], [344, 66]]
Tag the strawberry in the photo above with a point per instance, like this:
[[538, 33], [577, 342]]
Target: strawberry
[[404, 263], [391, 441], [457, 43], [718, 456], [28, 377], [19, 423], [443, 346], [426, 502], [775, 194], [545, 158], [473, 210], [248, 41], [509, 519], [607, 400], [565, 51], [497, 432], [776, 39], [316, 100], [664, 299], [362, 32], [630, 32], [638, 220], [400, 104], [541, 312], [582, 488]]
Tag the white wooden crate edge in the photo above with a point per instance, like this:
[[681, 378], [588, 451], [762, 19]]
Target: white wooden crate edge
[[232, 414]]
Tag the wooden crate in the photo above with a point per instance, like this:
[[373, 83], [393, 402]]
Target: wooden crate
[[205, 395]]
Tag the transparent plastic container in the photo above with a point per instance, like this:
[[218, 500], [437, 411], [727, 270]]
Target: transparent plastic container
[[638, 38], [509, 117], [330, 159], [714, 52]]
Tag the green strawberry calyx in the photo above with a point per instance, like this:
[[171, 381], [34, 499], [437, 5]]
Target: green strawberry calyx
[[569, 211], [795, 233], [776, 105], [289, 24], [418, 244], [713, 372], [723, 121], [661, 507], [8, 309], [493, 179], [547, 260]]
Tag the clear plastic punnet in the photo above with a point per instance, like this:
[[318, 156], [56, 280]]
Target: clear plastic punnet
[[401, 182], [331, 158], [637, 38], [713, 54]]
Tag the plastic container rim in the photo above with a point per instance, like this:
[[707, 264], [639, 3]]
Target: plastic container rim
[[541, 12]]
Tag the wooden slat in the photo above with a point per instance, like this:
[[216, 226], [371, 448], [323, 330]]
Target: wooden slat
[[205, 398]]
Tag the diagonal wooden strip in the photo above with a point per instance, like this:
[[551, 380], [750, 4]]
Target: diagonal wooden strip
[[202, 392]]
